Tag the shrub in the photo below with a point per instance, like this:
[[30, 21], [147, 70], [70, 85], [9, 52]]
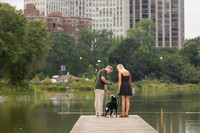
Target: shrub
[[47, 80], [190, 74], [83, 84], [36, 79], [51, 87], [165, 79]]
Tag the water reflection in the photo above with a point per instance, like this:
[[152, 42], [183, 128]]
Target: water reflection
[[181, 111]]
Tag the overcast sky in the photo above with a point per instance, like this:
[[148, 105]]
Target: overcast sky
[[192, 16]]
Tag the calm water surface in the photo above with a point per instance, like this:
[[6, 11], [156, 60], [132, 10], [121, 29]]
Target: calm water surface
[[58, 114]]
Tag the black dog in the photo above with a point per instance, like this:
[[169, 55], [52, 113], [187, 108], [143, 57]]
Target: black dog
[[111, 105]]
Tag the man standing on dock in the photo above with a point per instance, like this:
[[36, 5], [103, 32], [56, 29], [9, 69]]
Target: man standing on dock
[[100, 86]]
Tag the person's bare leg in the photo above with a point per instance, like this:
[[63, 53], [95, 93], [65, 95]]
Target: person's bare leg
[[123, 104], [127, 104]]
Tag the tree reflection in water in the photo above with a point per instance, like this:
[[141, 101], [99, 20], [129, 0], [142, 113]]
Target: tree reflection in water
[[181, 111]]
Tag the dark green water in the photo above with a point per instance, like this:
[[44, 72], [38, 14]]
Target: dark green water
[[181, 111]]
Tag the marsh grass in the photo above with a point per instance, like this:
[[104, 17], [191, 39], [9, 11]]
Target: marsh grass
[[149, 86]]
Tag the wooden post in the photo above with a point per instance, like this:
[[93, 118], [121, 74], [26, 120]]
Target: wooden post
[[161, 115], [80, 111]]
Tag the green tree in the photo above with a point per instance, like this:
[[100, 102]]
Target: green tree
[[165, 51], [47, 80], [146, 64], [12, 37], [23, 44], [173, 65], [192, 50], [36, 79], [93, 46], [70, 80], [41, 76], [190, 74], [137, 59], [102, 45], [83, 79], [90, 73], [85, 47], [143, 33], [62, 53], [124, 53]]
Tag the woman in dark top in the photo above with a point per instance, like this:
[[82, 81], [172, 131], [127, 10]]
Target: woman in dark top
[[124, 88]]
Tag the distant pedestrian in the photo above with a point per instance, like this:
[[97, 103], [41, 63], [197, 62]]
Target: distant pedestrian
[[100, 86], [124, 88]]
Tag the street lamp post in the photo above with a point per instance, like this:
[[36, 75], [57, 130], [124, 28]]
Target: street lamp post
[[99, 61]]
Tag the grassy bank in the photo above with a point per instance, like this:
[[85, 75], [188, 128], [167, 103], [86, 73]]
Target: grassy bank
[[157, 85], [9, 90], [43, 89]]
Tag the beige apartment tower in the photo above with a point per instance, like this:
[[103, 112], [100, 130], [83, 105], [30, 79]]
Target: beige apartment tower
[[105, 14], [168, 16]]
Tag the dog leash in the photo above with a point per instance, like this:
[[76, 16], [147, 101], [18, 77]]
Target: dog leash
[[107, 93]]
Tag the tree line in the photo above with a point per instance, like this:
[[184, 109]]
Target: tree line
[[26, 49]]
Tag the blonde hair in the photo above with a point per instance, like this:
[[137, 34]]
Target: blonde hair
[[121, 69], [111, 68]]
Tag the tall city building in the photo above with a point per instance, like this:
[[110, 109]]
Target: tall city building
[[105, 14], [168, 16]]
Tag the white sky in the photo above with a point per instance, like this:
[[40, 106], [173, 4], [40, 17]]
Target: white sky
[[192, 16]]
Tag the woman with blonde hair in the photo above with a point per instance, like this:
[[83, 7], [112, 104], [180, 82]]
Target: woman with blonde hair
[[124, 88]]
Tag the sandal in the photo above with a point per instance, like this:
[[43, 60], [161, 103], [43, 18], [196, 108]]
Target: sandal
[[122, 115], [126, 116]]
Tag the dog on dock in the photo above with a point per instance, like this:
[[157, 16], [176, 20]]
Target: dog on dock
[[111, 105]]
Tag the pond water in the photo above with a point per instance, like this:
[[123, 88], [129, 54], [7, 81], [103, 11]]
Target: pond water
[[58, 114]]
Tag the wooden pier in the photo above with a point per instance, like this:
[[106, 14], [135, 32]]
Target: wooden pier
[[93, 124]]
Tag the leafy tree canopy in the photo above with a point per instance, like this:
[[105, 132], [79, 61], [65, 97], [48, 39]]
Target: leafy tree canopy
[[23, 44], [143, 33], [192, 51]]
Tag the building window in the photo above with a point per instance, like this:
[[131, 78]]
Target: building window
[[174, 34], [166, 38], [174, 15], [167, 44], [159, 43], [174, 39], [144, 15], [144, 1], [160, 39], [174, 43], [54, 25], [144, 6]]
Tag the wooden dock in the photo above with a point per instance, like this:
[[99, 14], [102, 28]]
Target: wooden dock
[[93, 124]]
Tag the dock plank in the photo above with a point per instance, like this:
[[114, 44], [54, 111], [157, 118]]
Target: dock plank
[[93, 124]]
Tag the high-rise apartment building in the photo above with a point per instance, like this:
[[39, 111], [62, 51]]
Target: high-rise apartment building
[[168, 16], [105, 14]]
